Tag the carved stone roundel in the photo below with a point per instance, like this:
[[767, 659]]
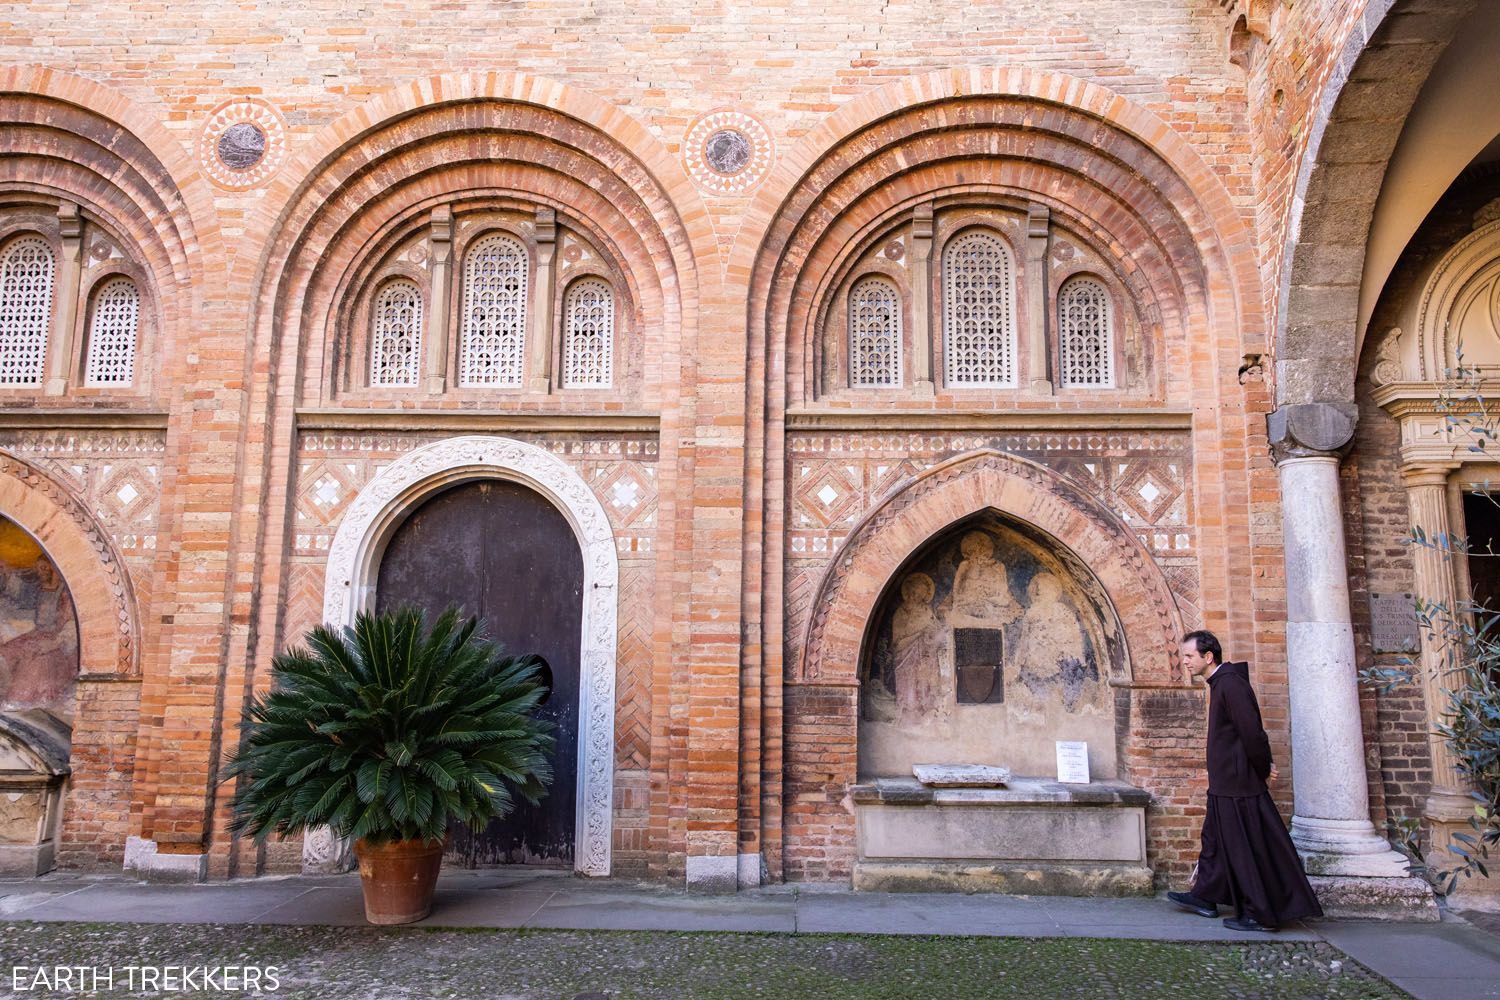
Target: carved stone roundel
[[243, 143], [727, 152]]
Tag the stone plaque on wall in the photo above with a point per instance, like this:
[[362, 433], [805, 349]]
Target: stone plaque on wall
[[1393, 623], [979, 660]]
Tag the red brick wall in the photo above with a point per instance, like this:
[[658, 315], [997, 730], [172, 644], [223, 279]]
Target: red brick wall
[[247, 281]]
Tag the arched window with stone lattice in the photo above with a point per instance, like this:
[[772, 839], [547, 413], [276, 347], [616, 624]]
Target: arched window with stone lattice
[[492, 345], [979, 316], [1086, 336], [27, 270], [589, 335], [396, 334], [114, 327], [874, 334]]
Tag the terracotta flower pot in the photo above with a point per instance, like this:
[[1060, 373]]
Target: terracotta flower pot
[[398, 879]]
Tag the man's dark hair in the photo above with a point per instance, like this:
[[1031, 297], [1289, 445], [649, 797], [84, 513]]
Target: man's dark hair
[[1205, 642]]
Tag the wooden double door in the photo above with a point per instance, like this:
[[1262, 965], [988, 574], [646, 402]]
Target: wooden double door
[[502, 551]]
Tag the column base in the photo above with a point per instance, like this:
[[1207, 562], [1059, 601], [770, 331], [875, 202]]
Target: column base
[[713, 874], [1345, 898], [752, 870], [143, 856], [1476, 891], [1346, 847]]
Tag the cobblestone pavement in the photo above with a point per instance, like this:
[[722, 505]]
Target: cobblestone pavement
[[331, 963]]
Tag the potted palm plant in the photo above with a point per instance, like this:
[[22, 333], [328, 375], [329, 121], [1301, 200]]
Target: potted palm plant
[[385, 732]]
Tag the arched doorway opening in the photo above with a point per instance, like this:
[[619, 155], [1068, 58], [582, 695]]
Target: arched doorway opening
[[499, 550], [352, 577], [39, 661]]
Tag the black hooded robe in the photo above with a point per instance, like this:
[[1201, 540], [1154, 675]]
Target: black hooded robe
[[1248, 860]]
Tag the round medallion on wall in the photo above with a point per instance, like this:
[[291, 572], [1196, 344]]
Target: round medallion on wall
[[727, 152], [243, 143]]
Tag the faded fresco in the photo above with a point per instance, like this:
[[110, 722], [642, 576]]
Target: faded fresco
[[38, 630], [985, 651]]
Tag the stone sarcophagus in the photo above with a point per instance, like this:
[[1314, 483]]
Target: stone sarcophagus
[[34, 771]]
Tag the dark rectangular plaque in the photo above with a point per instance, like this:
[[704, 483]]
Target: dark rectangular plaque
[[1393, 623], [977, 655]]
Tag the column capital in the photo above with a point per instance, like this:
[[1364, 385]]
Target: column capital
[[1310, 430], [1427, 473]]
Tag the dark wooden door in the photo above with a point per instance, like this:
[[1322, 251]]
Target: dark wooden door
[[502, 551]]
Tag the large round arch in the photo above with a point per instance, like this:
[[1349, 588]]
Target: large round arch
[[1339, 252], [402, 487]]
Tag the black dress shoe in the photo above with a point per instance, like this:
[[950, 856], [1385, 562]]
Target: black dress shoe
[[1247, 924], [1188, 901]]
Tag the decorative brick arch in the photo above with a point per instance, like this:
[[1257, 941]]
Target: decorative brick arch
[[1219, 227], [68, 138], [945, 495], [108, 636], [506, 139], [1386, 59]]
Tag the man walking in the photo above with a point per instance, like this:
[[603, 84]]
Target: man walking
[[1247, 859]]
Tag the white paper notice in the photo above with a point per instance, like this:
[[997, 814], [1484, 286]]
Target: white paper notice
[[1073, 762]]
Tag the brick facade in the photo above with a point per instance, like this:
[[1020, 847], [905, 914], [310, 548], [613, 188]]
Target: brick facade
[[1156, 149]]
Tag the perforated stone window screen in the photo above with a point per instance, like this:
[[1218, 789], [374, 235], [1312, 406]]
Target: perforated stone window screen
[[27, 269], [874, 334], [1085, 328], [396, 335], [113, 331], [589, 335], [979, 320], [492, 347]]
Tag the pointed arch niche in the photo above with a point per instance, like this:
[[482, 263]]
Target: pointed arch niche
[[402, 487]]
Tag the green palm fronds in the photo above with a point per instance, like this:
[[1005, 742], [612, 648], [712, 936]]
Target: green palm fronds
[[386, 730]]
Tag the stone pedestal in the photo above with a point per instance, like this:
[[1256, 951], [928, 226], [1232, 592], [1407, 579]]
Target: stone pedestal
[[1034, 836]]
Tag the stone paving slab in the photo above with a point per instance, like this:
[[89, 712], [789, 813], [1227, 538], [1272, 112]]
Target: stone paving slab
[[1450, 960], [680, 913], [159, 904]]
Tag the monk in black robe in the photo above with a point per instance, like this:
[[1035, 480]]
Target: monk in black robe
[[1247, 860]]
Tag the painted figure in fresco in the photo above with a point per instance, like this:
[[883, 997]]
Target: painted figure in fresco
[[1247, 859], [920, 661], [1053, 645], [981, 587]]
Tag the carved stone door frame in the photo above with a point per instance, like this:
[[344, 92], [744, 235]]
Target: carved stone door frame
[[402, 487]]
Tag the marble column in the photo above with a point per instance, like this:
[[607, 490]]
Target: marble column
[[1436, 584], [1331, 815]]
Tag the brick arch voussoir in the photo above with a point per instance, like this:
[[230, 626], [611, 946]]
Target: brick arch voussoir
[[1316, 265], [679, 210], [1163, 255], [186, 196], [1023, 490], [1222, 235], [365, 205], [98, 582]]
